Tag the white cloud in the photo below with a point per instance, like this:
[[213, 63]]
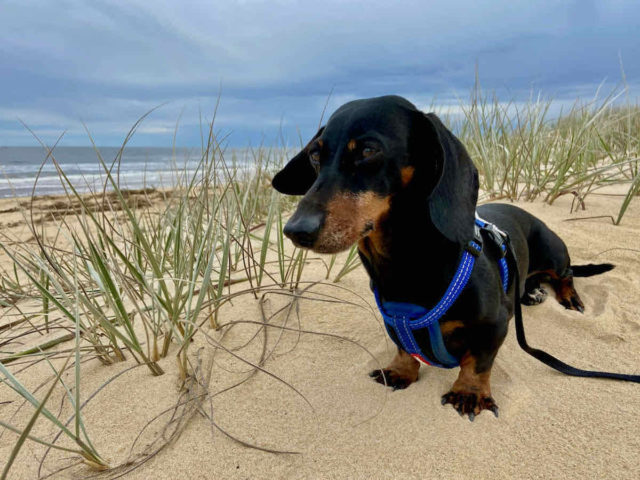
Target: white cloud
[[107, 62], [33, 116]]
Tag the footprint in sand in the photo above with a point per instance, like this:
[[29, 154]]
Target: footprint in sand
[[598, 296], [633, 325], [611, 338], [630, 324]]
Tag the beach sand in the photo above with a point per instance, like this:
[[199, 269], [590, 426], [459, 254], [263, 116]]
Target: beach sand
[[343, 425]]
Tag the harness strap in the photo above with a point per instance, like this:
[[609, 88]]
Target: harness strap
[[400, 328], [499, 238], [438, 348], [403, 326], [456, 286], [504, 272], [404, 321], [543, 356]]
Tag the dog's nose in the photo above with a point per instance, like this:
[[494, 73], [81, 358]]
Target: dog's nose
[[303, 230]]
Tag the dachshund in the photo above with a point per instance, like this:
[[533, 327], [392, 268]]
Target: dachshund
[[398, 183]]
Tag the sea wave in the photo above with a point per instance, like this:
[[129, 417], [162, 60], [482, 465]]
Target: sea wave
[[139, 167]]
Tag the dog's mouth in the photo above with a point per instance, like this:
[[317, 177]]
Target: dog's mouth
[[344, 221], [338, 240]]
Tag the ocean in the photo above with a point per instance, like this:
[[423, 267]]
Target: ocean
[[141, 167]]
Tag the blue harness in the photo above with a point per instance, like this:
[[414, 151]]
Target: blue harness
[[403, 319]]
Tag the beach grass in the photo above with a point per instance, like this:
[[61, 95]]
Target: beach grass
[[524, 152], [138, 276]]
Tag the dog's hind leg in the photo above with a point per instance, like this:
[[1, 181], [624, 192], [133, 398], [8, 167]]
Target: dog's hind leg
[[534, 293], [401, 372], [549, 261], [565, 291], [562, 284]]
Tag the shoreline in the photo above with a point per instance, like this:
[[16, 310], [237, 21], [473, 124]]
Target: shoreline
[[140, 167], [52, 207]]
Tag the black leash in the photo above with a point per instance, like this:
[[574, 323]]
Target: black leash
[[544, 357]]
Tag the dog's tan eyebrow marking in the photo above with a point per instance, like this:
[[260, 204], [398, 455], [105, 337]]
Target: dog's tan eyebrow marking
[[351, 146], [320, 143], [406, 173]]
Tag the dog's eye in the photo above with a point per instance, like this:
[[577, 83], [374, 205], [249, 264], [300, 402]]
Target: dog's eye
[[368, 152], [370, 158], [315, 157]]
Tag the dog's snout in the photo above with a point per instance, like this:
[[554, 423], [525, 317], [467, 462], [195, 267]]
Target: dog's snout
[[303, 230]]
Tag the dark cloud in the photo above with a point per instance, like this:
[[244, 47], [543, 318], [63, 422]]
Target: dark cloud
[[274, 62]]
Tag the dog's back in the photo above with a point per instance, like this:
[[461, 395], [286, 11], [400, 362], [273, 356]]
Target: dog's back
[[542, 256], [545, 249]]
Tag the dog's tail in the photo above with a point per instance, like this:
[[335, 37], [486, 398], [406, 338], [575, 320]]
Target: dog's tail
[[591, 269]]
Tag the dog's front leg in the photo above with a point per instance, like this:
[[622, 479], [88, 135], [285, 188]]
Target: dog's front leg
[[401, 372], [471, 392]]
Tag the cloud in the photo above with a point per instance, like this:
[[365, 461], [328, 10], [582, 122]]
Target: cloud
[[274, 62]]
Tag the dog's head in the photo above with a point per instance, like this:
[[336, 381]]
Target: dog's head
[[370, 151]]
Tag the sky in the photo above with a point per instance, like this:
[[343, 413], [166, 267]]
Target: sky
[[271, 66]]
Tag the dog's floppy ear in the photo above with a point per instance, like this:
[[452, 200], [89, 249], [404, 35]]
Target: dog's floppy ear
[[298, 175], [452, 178]]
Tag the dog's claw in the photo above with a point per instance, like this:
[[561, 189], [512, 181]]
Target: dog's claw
[[469, 404], [391, 379], [573, 303]]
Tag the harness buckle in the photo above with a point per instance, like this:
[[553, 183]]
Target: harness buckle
[[499, 240], [497, 236], [474, 248]]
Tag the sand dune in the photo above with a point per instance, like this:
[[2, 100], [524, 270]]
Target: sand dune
[[551, 426]]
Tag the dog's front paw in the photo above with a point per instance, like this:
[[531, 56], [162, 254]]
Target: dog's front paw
[[394, 378], [471, 404]]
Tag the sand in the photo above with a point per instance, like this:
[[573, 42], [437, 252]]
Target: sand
[[551, 426]]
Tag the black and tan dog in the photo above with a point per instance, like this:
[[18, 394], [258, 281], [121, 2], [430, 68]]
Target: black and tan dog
[[400, 184]]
